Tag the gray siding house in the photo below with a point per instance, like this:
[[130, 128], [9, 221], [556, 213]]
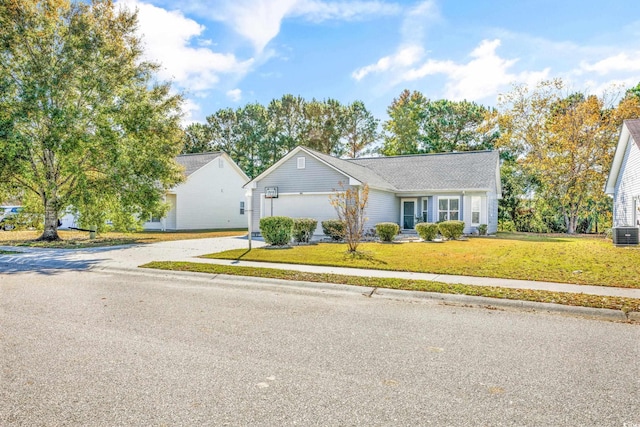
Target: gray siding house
[[402, 189], [623, 183]]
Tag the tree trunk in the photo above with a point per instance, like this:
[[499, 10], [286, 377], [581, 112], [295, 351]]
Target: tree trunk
[[50, 232]]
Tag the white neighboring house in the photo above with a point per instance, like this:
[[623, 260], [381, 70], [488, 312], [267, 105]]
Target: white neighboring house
[[623, 183], [211, 196]]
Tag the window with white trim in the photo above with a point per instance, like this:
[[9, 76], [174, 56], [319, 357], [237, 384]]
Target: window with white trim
[[241, 208], [301, 162], [476, 203], [448, 209], [425, 210]]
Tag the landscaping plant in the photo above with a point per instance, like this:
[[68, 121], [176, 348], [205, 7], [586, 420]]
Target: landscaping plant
[[427, 231], [276, 230], [350, 204], [334, 228], [303, 229], [387, 231], [451, 230]]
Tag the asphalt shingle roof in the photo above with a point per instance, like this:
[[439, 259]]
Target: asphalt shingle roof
[[445, 171], [193, 162], [634, 129]]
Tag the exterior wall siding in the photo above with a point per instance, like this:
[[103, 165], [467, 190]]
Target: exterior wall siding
[[627, 187], [316, 177], [382, 207]]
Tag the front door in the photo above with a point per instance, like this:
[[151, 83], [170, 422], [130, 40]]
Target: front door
[[408, 214]]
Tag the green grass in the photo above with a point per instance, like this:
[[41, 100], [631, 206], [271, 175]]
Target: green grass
[[80, 239], [579, 260], [3, 252], [563, 298]]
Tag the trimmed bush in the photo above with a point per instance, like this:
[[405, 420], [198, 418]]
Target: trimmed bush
[[482, 229], [276, 230], [334, 228], [506, 225], [427, 230], [451, 230], [303, 229], [387, 231]]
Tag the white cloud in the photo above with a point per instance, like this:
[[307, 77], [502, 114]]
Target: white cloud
[[317, 11], [167, 36], [615, 63], [404, 57], [481, 77], [259, 21], [234, 94]]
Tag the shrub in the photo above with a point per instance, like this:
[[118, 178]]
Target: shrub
[[427, 230], [276, 230], [506, 225], [451, 229], [482, 229], [387, 231], [303, 229], [334, 228]]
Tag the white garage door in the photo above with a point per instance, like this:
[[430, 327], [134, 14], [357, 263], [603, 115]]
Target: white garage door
[[314, 206]]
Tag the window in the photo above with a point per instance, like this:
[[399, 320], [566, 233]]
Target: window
[[425, 210], [301, 162], [476, 202], [220, 162], [448, 209], [241, 208], [154, 218]]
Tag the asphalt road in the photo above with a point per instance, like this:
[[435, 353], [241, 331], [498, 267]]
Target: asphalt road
[[104, 349]]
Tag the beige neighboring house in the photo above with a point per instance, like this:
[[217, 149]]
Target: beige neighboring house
[[211, 196]]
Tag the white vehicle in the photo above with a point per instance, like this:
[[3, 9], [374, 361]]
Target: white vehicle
[[6, 212]]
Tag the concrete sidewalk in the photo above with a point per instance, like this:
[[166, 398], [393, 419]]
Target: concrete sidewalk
[[130, 257]]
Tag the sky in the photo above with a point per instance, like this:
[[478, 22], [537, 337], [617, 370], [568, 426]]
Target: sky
[[228, 53]]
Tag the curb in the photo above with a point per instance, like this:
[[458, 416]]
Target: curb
[[390, 294]]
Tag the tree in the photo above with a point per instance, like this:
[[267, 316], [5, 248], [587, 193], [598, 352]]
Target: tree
[[419, 125], [403, 130], [564, 142], [82, 120], [196, 139], [323, 126], [350, 204], [457, 126], [359, 127]]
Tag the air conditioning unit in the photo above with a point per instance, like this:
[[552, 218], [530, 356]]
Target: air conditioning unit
[[625, 236]]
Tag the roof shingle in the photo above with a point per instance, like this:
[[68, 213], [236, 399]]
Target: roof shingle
[[193, 162]]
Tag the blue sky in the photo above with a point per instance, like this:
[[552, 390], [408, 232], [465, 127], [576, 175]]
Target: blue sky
[[227, 53]]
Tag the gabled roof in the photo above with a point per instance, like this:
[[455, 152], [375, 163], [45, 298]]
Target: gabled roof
[[193, 162], [471, 170], [629, 133]]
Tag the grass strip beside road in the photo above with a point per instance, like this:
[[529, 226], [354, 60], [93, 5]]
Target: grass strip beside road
[[563, 298]]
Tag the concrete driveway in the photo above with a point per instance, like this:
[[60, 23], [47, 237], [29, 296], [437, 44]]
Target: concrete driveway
[[115, 257]]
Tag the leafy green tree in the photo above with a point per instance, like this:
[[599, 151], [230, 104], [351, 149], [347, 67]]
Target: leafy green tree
[[403, 130], [82, 119], [196, 138], [254, 133], [360, 129], [419, 125], [457, 126], [323, 126]]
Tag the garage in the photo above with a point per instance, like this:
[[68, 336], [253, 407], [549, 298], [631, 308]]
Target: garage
[[315, 205]]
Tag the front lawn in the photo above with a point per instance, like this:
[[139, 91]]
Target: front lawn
[[580, 260], [80, 239]]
